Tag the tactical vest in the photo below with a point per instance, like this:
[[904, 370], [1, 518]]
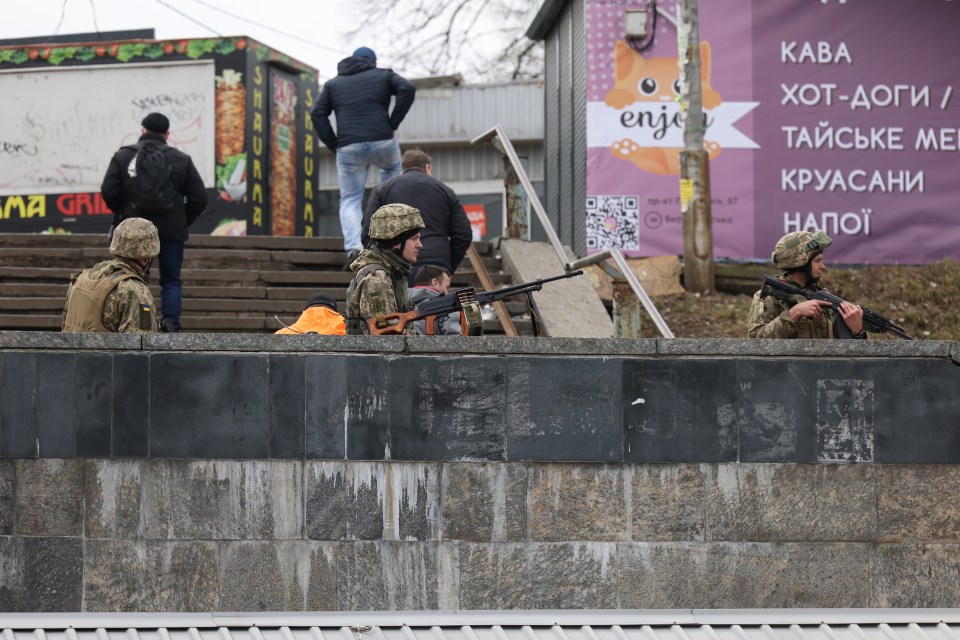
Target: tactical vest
[[810, 329], [87, 296], [815, 329], [355, 323]]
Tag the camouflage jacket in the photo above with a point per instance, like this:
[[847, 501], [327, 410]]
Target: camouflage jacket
[[770, 318], [127, 308], [376, 291]]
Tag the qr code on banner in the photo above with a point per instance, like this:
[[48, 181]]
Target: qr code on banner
[[612, 222]]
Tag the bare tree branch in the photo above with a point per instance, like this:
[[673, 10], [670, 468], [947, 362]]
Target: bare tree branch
[[483, 41]]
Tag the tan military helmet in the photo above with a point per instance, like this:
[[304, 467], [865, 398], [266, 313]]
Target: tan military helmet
[[797, 248], [392, 220], [135, 238]]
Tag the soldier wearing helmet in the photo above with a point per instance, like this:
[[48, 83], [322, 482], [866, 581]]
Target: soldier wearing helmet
[[799, 255], [380, 271], [113, 295]]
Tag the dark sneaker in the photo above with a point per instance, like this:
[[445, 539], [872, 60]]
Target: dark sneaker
[[351, 256], [167, 325]]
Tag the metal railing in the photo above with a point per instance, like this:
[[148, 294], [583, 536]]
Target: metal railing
[[499, 139]]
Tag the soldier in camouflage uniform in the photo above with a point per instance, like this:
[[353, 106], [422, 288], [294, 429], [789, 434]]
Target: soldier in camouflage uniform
[[113, 296], [380, 282], [800, 256]]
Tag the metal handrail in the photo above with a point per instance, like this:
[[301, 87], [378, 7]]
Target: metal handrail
[[498, 138], [631, 279]]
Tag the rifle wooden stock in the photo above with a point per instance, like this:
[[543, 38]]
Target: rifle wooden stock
[[394, 324]]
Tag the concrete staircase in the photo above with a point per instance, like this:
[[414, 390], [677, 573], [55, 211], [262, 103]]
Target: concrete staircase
[[235, 285]]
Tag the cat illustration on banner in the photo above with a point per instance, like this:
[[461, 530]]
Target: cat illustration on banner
[[654, 81]]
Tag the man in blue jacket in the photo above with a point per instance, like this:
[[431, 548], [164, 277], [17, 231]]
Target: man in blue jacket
[[366, 131]]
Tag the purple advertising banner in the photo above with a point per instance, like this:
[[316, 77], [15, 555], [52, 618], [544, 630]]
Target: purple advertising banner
[[837, 115]]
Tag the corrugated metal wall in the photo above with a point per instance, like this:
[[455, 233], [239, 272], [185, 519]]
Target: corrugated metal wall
[[552, 135], [565, 139], [461, 113], [577, 223], [468, 163], [565, 155]]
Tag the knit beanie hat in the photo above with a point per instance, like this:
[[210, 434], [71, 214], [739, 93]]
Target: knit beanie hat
[[321, 299], [156, 122]]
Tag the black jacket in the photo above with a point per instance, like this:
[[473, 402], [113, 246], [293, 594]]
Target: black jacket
[[447, 235], [360, 98], [186, 178]]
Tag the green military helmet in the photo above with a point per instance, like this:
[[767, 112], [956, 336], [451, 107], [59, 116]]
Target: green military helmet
[[135, 238], [797, 248], [393, 220]]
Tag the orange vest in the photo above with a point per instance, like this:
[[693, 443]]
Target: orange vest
[[318, 319]]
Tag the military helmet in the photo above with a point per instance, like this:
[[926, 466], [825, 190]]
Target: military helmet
[[135, 238], [393, 220], [797, 248]]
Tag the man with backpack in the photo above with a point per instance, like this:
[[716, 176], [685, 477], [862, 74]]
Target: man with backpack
[[155, 181]]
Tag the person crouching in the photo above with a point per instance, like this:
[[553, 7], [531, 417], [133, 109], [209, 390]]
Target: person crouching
[[319, 316], [113, 296]]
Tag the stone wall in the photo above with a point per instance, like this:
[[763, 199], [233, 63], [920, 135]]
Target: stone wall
[[254, 473]]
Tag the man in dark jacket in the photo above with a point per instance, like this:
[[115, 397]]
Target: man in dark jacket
[[447, 234], [366, 131], [171, 224]]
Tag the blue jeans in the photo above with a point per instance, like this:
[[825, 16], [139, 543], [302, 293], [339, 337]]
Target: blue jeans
[[170, 261], [353, 161]]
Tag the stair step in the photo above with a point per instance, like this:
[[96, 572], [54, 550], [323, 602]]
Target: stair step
[[243, 306], [206, 324], [32, 304], [208, 291], [267, 242], [230, 284], [40, 256], [36, 273], [197, 276], [32, 321], [30, 289], [306, 277], [301, 294], [13, 240], [324, 258]]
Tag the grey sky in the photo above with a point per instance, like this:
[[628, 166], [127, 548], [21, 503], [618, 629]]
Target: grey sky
[[309, 30]]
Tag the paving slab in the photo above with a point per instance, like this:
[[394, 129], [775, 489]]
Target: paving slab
[[570, 308]]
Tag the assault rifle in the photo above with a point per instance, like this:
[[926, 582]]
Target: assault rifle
[[871, 319], [466, 299]]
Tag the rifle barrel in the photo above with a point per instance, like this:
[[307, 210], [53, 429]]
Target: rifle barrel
[[534, 285]]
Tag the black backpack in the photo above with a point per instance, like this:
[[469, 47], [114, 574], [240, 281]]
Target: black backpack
[[149, 185]]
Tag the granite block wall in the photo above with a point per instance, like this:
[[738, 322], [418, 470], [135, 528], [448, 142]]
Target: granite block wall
[[487, 399], [261, 473], [257, 535]]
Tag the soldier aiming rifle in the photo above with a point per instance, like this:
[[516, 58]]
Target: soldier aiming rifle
[[464, 301]]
